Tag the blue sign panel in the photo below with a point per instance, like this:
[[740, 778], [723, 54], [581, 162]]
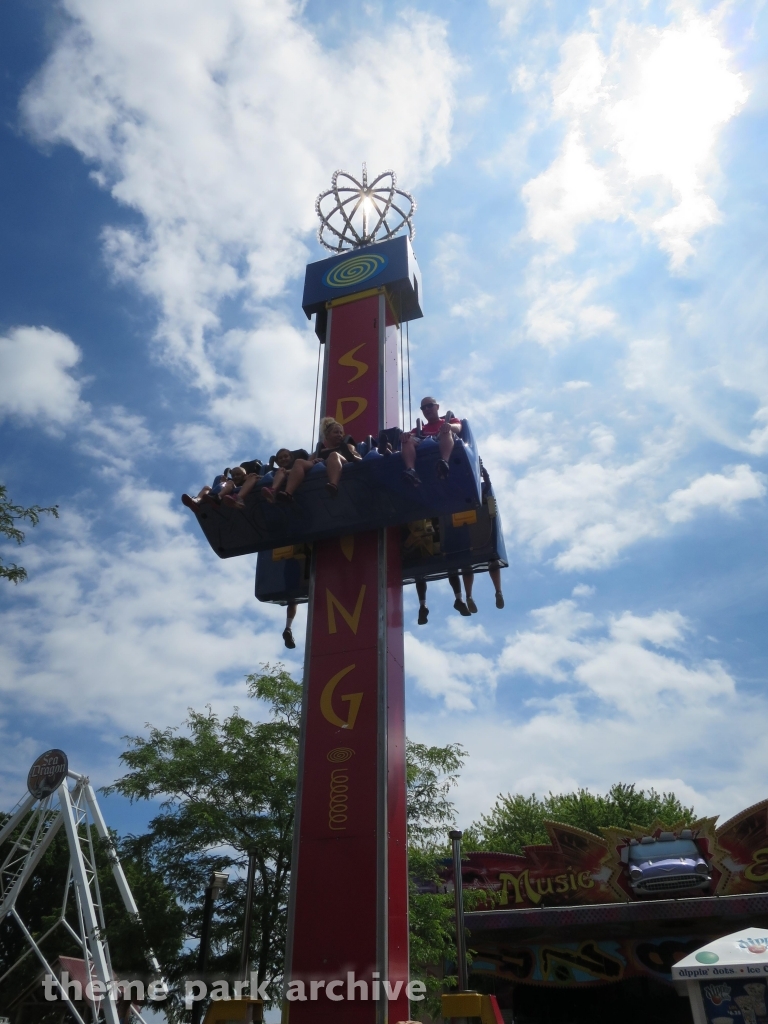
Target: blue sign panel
[[354, 270], [385, 264]]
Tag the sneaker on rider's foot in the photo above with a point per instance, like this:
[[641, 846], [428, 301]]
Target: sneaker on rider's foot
[[460, 607], [499, 599], [471, 605], [423, 613], [411, 477], [442, 469], [288, 640]]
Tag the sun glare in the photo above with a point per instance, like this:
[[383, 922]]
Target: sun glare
[[686, 91]]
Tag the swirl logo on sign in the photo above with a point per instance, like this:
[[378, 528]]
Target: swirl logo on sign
[[355, 270], [339, 754]]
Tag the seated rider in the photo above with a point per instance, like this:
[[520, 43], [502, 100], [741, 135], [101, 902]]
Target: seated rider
[[285, 460], [222, 486], [333, 450], [444, 430]]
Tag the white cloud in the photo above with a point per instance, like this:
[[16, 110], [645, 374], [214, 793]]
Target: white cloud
[[138, 626], [590, 510], [273, 372], [219, 125], [511, 13], [560, 307], [578, 84], [456, 679], [667, 125], [115, 438], [623, 698], [715, 490], [35, 380], [539, 653], [572, 191], [642, 121]]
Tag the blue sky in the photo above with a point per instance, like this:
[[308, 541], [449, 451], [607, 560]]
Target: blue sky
[[591, 231]]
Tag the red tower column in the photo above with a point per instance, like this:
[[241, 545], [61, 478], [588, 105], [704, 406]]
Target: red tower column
[[348, 914]]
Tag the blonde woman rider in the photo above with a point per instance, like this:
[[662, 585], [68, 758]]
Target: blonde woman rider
[[334, 453]]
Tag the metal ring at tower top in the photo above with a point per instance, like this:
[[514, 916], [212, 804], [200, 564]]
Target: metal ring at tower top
[[354, 213]]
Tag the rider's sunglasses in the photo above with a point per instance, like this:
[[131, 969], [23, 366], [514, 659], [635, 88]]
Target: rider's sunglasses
[[428, 405]]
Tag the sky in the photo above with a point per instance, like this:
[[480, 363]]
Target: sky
[[591, 231]]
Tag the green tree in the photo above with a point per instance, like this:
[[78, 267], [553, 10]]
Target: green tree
[[10, 515], [516, 821], [226, 786]]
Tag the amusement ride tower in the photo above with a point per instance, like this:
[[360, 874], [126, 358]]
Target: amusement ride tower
[[348, 911], [349, 899]]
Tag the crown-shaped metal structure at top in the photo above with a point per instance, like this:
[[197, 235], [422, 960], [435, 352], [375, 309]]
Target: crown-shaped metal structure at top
[[354, 213]]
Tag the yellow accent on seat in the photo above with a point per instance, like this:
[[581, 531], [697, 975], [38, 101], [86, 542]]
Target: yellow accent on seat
[[468, 1004], [462, 1004], [464, 518], [291, 551], [244, 1011]]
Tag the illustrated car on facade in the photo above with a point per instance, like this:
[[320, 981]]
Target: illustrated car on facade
[[668, 863]]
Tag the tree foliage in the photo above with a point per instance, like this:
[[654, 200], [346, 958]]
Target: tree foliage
[[516, 821], [226, 786], [10, 516]]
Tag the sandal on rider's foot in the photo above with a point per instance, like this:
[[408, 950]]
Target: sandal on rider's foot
[[288, 640], [193, 503], [232, 502], [442, 469], [411, 477], [268, 494], [423, 613], [499, 599], [472, 606], [460, 607], [332, 489], [284, 497]]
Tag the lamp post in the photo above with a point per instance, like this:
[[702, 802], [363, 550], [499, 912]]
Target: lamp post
[[215, 887], [246, 947], [458, 898]]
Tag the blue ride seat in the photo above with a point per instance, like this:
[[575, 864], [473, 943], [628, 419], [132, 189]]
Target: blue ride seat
[[432, 549], [282, 575], [372, 495], [437, 548]]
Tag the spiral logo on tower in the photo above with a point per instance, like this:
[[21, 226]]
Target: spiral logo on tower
[[355, 270], [339, 754]]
